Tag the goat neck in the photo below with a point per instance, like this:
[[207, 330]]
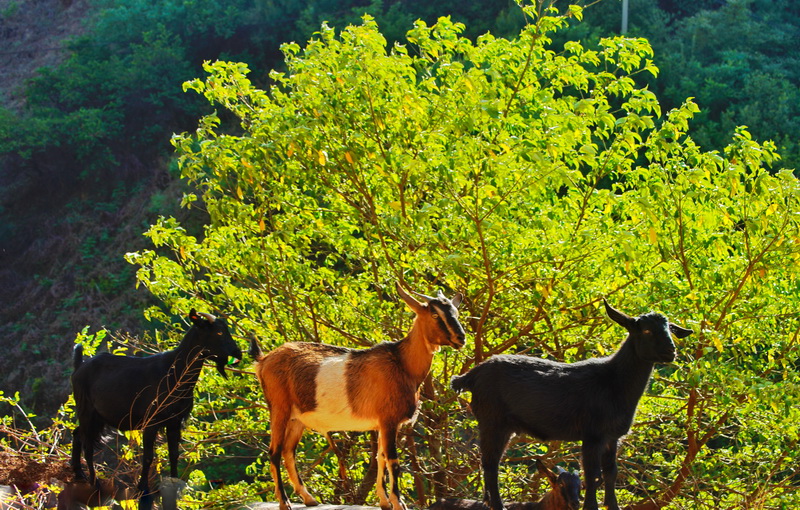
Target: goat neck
[[630, 372], [416, 353], [186, 362]]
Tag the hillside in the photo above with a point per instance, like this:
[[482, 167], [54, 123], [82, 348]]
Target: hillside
[[61, 265], [85, 155], [32, 35]]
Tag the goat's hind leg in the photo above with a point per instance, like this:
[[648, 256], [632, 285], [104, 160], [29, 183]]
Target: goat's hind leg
[[88, 454], [493, 442], [77, 450], [293, 433], [87, 435], [278, 424]]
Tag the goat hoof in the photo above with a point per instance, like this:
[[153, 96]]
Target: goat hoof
[[311, 502]]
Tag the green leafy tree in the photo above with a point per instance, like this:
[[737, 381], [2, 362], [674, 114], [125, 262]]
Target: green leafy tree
[[535, 182], [735, 57]]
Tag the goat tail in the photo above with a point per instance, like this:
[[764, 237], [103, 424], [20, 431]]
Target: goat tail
[[255, 349], [460, 383], [77, 357]]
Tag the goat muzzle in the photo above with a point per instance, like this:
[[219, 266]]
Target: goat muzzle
[[224, 360], [667, 356]]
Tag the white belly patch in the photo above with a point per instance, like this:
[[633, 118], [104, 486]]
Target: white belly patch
[[333, 410]]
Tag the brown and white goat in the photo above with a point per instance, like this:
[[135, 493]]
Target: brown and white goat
[[327, 388]]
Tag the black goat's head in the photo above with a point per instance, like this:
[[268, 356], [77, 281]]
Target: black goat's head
[[439, 315], [650, 334], [215, 339]]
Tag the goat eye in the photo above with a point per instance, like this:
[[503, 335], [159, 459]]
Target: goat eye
[[646, 331], [435, 315], [219, 333]]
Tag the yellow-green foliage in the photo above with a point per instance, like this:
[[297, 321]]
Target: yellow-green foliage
[[536, 183]]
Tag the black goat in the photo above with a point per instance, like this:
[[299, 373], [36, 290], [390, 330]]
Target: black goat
[[564, 494], [148, 394], [592, 401]]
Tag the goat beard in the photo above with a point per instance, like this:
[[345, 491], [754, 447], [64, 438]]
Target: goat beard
[[220, 362]]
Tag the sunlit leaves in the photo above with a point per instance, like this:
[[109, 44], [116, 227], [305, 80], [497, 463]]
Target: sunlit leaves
[[536, 182]]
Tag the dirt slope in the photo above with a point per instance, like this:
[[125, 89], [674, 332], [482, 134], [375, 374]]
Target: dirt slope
[[32, 35]]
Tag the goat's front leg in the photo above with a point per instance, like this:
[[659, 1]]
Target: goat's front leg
[[590, 455], [173, 443], [380, 486], [609, 465], [148, 454], [387, 437]]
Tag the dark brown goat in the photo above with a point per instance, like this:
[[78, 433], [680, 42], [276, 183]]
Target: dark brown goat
[[592, 401], [564, 494], [148, 394], [327, 388]]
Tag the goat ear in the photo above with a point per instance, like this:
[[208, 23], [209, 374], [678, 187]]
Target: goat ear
[[200, 318], [412, 303], [457, 299], [550, 475], [626, 321], [679, 331]]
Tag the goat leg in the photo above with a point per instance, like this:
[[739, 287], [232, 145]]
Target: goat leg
[[77, 449], [292, 435], [609, 465], [275, 469], [388, 437], [380, 486], [276, 445], [590, 456], [148, 454], [493, 441], [88, 453], [173, 440]]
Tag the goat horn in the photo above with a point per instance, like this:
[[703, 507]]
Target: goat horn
[[208, 316], [423, 295]]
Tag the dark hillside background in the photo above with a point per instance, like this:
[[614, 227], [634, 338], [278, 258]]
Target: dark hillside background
[[90, 93]]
